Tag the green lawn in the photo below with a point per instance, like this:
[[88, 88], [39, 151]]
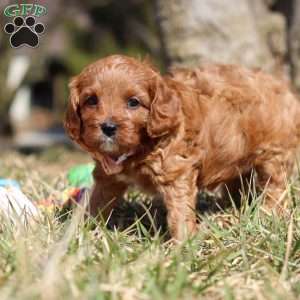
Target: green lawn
[[236, 255]]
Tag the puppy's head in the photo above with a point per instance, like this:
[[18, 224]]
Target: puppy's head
[[117, 104]]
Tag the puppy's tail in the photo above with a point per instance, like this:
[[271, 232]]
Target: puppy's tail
[[298, 121], [298, 117], [298, 127]]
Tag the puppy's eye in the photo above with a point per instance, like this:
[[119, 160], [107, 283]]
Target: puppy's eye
[[91, 100], [133, 103]]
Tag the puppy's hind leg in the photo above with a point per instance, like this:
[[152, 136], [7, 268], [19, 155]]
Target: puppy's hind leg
[[272, 177]]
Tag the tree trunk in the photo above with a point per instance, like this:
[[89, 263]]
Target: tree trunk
[[232, 31], [294, 44]]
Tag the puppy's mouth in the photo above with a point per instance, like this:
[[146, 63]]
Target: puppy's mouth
[[113, 164], [112, 157], [118, 159]]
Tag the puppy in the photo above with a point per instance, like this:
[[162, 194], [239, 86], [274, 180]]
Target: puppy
[[187, 130]]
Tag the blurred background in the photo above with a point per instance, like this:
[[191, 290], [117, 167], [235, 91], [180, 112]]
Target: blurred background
[[33, 81]]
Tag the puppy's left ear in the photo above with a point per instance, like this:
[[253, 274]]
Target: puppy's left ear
[[72, 121], [164, 109]]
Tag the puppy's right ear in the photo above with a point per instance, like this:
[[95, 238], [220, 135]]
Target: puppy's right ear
[[72, 121]]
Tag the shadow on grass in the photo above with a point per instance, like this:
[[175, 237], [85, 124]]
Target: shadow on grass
[[152, 214]]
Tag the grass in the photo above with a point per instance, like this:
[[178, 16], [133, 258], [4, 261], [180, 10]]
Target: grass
[[236, 255]]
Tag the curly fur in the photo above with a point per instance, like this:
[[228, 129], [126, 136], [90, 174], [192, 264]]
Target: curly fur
[[194, 129]]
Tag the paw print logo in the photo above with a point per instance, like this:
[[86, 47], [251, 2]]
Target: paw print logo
[[24, 32]]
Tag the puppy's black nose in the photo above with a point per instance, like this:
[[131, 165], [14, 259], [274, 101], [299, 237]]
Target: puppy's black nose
[[109, 128]]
